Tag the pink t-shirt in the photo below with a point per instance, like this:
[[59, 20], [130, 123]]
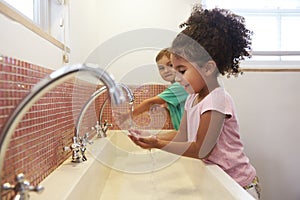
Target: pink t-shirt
[[228, 152]]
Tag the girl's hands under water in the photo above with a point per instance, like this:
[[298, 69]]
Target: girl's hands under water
[[143, 139]]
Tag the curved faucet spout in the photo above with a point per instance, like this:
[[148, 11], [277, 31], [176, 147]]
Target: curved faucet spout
[[131, 100], [45, 85], [129, 92], [85, 106], [93, 97]]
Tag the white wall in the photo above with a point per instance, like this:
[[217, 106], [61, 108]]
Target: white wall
[[83, 29], [19, 42], [268, 110], [102, 22]]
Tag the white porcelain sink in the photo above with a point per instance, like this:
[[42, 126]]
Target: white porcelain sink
[[118, 169]]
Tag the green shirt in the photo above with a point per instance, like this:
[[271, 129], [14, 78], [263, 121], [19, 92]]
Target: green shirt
[[175, 96]]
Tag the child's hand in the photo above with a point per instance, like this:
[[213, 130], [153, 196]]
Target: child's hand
[[138, 133], [143, 139]]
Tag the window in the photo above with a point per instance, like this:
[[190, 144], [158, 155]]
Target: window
[[47, 18], [24, 6], [35, 10], [275, 24]]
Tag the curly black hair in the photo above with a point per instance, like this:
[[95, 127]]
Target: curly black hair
[[216, 34]]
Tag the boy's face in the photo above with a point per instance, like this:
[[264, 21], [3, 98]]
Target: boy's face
[[165, 69]]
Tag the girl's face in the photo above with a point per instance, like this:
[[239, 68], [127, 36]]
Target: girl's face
[[189, 75], [165, 69]]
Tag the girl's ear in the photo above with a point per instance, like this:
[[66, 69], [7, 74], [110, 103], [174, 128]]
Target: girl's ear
[[210, 68]]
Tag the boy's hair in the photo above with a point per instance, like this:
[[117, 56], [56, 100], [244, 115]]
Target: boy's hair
[[162, 53], [215, 34]]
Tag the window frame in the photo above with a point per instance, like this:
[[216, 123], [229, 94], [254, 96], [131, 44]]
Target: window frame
[[17, 16], [270, 65]]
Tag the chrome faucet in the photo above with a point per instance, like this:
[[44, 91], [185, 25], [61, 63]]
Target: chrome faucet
[[45, 85], [128, 91], [78, 147], [105, 128], [106, 125], [100, 127], [22, 188], [97, 127]]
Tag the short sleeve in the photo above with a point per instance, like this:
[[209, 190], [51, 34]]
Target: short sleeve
[[219, 100], [174, 94]]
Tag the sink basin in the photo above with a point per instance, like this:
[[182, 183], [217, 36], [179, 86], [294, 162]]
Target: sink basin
[[118, 169]]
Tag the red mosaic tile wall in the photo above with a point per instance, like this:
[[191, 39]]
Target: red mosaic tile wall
[[36, 147], [143, 121]]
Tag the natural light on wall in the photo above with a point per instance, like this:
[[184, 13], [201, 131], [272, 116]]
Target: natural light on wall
[[47, 18], [24, 6], [275, 26]]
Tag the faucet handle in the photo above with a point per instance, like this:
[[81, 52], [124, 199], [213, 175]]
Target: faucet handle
[[66, 148], [86, 140], [73, 146], [97, 127], [105, 127], [37, 188], [106, 124], [8, 186], [23, 187]]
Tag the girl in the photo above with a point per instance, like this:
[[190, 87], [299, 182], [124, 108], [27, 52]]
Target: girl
[[213, 42]]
